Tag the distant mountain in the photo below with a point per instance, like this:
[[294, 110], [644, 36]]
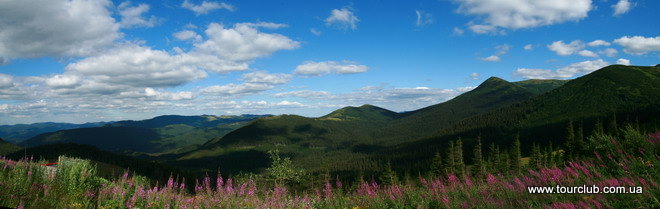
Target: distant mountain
[[491, 94], [160, 134], [612, 95], [6, 147], [343, 136], [20, 132]]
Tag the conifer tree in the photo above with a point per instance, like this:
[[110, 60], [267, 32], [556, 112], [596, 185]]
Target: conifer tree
[[493, 157], [569, 140], [459, 163], [598, 128], [516, 155], [613, 129], [451, 162], [436, 166], [478, 161], [388, 176]]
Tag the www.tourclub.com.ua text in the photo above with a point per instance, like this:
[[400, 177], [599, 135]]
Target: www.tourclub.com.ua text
[[584, 189]]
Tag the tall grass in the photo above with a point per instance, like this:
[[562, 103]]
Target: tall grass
[[630, 161]]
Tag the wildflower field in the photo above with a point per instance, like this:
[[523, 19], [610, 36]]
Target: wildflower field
[[629, 161]]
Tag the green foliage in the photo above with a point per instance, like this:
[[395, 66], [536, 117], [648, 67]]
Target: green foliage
[[282, 171], [437, 168], [516, 155], [388, 176]]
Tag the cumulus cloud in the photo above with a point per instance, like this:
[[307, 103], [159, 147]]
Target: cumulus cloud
[[58, 28], [305, 94], [263, 77], [423, 18], [237, 89], [133, 16], [311, 68], [574, 69], [621, 7], [639, 45], [501, 50], [610, 52], [205, 7], [518, 14], [241, 43], [474, 76], [598, 43], [6, 81], [528, 47], [564, 49], [343, 18], [587, 53], [187, 35], [622, 61]]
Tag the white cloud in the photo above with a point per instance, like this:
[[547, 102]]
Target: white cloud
[[598, 43], [574, 69], [6, 81], [621, 7], [528, 47], [58, 28], [268, 25], [564, 49], [587, 53], [161, 95], [518, 14], [423, 18], [342, 18], [610, 52], [241, 43], [263, 77], [622, 61], [501, 50], [205, 7], [474, 76], [491, 58], [132, 16], [639, 45], [305, 94], [319, 68], [315, 31], [187, 35], [237, 89], [458, 31]]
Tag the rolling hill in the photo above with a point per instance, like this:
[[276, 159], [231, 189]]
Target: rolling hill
[[163, 134], [612, 95], [20, 132], [340, 139]]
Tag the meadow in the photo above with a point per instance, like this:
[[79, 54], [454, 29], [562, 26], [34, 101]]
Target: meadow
[[628, 161]]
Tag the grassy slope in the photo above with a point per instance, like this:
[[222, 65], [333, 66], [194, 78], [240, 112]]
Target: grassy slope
[[629, 91], [6, 147]]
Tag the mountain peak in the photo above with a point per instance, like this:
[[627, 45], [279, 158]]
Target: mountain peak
[[364, 112]]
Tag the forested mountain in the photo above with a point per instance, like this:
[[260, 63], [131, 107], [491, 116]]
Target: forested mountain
[[611, 96], [20, 132], [6, 147], [169, 133], [536, 110]]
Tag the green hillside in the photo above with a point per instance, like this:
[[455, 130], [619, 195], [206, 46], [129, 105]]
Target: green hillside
[[20, 132], [163, 134], [344, 139], [610, 96], [540, 86], [491, 94], [6, 147]]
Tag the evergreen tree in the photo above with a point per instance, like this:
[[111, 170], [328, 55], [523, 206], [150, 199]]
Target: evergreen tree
[[478, 161], [459, 163], [598, 128], [516, 155], [493, 158], [569, 140], [535, 159], [451, 162], [613, 126], [388, 176], [436, 166]]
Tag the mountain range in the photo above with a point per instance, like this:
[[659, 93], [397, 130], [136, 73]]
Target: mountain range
[[362, 139]]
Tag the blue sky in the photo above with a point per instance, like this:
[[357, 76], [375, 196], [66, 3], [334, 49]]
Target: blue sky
[[82, 61]]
